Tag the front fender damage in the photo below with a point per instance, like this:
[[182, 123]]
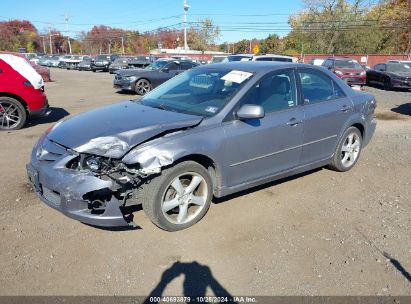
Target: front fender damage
[[152, 160]]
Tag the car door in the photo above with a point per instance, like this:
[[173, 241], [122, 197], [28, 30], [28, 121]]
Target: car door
[[326, 109], [170, 70], [259, 148], [372, 74], [381, 74]]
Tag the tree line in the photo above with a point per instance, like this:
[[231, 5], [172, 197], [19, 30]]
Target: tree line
[[322, 26]]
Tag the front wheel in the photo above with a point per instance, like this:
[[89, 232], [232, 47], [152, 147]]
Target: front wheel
[[348, 150], [143, 86], [12, 114], [179, 197]]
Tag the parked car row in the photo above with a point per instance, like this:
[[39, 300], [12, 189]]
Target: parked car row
[[394, 74]]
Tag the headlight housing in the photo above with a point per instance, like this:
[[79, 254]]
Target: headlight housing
[[130, 78], [363, 73], [93, 163], [338, 72]]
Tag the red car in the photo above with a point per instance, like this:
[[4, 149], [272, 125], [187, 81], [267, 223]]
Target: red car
[[44, 72], [19, 97], [347, 69]]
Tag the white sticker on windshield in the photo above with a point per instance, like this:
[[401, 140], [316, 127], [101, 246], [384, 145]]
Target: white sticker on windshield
[[236, 76], [211, 109]]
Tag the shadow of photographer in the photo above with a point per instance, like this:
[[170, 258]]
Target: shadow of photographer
[[197, 278]]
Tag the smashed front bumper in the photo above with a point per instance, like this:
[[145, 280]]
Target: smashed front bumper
[[64, 189]]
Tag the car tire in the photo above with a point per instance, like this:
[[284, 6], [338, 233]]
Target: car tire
[[348, 150], [179, 197], [94, 71], [15, 111], [142, 86]]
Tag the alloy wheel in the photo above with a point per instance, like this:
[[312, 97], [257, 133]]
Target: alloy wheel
[[350, 149], [184, 198], [143, 87], [10, 115]]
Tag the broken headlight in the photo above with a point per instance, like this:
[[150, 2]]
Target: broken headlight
[[94, 163]]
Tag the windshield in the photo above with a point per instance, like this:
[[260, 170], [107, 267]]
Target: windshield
[[156, 65], [122, 60], [347, 64], [399, 67], [239, 58], [218, 59], [202, 92], [103, 57], [141, 58]]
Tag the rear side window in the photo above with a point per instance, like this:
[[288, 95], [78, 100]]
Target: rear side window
[[282, 59], [186, 65], [264, 59], [317, 87], [172, 66]]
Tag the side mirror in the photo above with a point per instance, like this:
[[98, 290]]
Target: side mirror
[[250, 111], [165, 70]]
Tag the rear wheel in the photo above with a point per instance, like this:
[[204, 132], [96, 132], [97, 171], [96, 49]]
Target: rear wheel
[[143, 86], [348, 150], [12, 114], [179, 197]]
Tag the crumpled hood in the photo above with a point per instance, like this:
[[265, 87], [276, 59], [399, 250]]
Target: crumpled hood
[[113, 130]]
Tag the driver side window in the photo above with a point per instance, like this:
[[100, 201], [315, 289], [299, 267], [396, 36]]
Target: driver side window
[[274, 92], [172, 66]]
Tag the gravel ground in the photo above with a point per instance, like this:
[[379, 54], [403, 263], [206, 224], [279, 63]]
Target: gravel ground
[[320, 233]]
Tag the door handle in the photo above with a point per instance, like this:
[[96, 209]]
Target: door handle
[[293, 122], [345, 108]]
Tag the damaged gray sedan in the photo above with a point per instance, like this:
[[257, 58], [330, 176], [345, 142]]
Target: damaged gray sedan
[[211, 131]]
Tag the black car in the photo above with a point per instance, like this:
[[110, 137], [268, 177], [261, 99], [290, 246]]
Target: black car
[[141, 61], [85, 64], [102, 62], [144, 80], [120, 63], [390, 75]]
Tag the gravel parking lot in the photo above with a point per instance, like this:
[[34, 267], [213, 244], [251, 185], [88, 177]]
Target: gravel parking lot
[[321, 233]]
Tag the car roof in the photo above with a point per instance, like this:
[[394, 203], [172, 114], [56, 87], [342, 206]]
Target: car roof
[[257, 66], [342, 58]]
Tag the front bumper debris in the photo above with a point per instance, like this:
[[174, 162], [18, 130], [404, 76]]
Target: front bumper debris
[[64, 191]]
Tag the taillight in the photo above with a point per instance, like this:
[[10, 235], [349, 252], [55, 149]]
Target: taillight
[[27, 83]]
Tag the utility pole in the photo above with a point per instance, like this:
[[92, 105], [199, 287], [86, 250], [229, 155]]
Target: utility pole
[[51, 48], [122, 44], [44, 45], [66, 18], [250, 47], [186, 7]]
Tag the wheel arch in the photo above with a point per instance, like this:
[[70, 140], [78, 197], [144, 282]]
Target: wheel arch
[[208, 163], [16, 97], [360, 127]]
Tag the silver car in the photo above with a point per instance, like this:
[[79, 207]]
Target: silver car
[[211, 131]]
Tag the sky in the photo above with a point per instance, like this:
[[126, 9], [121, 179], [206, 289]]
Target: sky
[[237, 19]]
